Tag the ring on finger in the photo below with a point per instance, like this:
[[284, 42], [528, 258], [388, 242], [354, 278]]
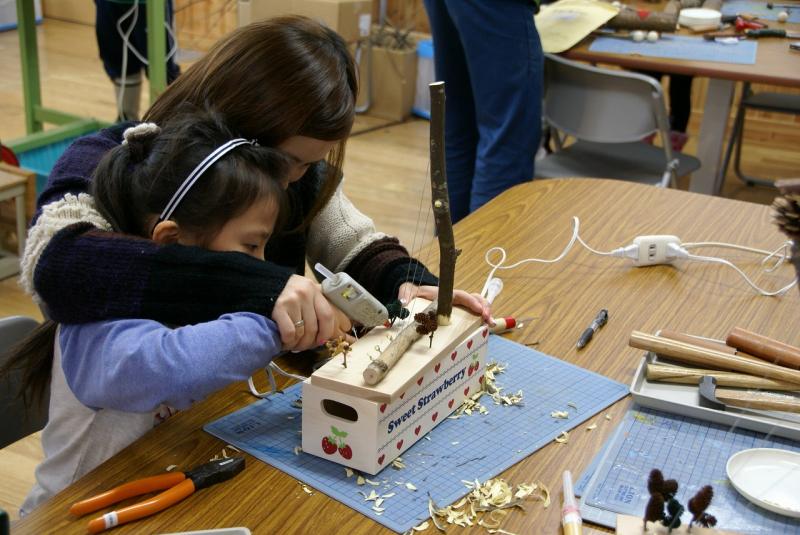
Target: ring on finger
[[299, 323]]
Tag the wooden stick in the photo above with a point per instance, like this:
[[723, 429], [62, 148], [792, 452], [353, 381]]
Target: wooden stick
[[769, 401], [764, 348], [441, 207], [693, 376], [378, 368], [708, 357], [709, 344]]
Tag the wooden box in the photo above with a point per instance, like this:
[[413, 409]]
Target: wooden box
[[367, 427]]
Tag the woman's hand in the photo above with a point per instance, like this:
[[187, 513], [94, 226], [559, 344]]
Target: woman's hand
[[305, 317], [472, 302]]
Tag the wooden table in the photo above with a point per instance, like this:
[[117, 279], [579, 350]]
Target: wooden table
[[530, 220], [775, 65]]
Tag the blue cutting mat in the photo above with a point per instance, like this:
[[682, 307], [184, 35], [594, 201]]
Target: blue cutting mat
[[471, 447], [760, 10], [694, 452], [681, 47]]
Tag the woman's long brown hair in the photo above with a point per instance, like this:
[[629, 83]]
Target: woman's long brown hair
[[271, 80]]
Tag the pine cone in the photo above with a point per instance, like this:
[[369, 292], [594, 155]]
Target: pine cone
[[787, 215], [700, 502]]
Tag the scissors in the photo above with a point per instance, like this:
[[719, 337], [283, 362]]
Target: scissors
[[176, 487]]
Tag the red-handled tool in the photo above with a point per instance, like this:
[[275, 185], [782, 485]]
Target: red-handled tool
[[742, 24], [178, 485]]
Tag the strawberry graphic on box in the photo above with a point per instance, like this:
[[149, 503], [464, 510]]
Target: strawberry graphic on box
[[336, 441]]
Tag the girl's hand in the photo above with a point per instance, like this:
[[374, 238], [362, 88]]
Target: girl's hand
[[472, 302], [305, 318]]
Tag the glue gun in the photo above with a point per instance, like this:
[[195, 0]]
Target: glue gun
[[357, 303]]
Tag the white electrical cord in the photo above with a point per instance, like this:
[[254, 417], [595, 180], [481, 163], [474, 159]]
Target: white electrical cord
[[780, 255], [126, 45], [272, 384]]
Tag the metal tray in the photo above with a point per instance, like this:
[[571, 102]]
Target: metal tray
[[685, 400]]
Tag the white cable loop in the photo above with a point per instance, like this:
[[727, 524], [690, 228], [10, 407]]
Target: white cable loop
[[742, 273], [779, 255], [271, 378]]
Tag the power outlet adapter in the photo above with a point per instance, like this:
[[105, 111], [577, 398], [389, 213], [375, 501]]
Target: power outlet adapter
[[654, 250]]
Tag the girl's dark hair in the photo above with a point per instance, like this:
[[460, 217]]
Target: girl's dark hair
[[134, 181], [271, 80], [132, 185]]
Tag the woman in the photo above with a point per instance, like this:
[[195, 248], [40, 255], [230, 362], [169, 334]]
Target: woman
[[287, 83]]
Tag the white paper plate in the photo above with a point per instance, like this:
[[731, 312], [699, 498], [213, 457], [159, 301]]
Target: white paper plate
[[768, 477]]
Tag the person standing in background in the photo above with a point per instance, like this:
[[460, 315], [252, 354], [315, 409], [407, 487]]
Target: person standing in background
[[489, 55], [121, 29]]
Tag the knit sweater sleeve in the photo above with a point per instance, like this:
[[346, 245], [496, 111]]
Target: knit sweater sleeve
[[344, 239], [83, 273], [136, 365]]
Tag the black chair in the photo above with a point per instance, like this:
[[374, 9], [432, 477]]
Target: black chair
[[18, 420], [764, 101]]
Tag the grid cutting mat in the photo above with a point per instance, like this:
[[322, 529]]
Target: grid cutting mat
[[681, 47], [760, 10], [691, 451], [468, 448]]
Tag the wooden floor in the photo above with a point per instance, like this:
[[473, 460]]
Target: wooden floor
[[386, 172]]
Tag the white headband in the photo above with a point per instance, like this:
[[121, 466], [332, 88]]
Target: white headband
[[201, 168]]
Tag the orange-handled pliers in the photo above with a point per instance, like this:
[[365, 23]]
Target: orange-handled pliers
[[178, 485]]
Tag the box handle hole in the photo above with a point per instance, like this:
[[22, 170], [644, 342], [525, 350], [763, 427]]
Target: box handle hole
[[339, 410]]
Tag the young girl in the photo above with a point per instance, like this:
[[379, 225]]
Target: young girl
[[193, 184], [290, 83]]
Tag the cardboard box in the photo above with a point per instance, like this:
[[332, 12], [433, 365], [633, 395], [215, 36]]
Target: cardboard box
[[351, 19], [394, 83], [80, 11], [366, 428]]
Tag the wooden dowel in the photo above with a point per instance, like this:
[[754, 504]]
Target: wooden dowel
[[764, 348], [708, 344], [693, 376], [377, 369], [769, 401], [708, 357]]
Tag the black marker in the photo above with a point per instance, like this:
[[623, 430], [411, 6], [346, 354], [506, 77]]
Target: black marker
[[599, 321]]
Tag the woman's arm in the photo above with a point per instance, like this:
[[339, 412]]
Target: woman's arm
[[84, 274], [344, 239], [136, 365]]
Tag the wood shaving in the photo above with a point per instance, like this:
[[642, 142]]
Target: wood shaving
[[421, 527], [398, 464], [491, 388], [487, 504], [373, 483], [456, 443], [298, 403], [348, 472], [502, 532], [410, 486], [171, 467], [563, 438], [298, 450], [608, 416], [290, 417], [307, 490], [388, 495], [591, 427], [573, 405], [378, 503], [360, 480], [234, 448], [559, 414]]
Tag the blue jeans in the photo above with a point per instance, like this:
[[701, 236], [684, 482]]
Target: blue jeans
[[489, 55], [110, 44]]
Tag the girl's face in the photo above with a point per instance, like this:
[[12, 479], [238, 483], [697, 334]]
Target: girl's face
[[304, 151], [247, 233]]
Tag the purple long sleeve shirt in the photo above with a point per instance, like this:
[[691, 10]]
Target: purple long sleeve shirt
[[137, 365]]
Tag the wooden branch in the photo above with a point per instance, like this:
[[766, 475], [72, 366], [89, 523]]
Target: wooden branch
[[692, 376], [632, 19], [441, 207], [377, 369], [708, 357]]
